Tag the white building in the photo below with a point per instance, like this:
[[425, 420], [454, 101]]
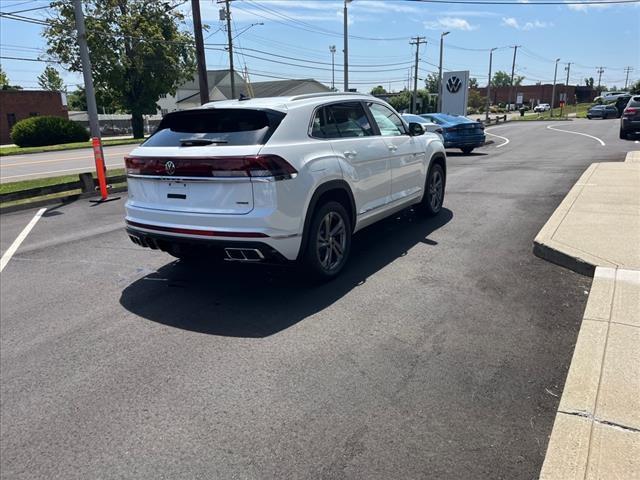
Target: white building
[[188, 95]]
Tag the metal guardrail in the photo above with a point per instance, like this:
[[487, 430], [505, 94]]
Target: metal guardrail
[[86, 184]]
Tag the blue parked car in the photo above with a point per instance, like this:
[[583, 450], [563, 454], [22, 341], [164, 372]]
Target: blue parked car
[[458, 132]]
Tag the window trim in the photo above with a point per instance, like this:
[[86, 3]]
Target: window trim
[[362, 103], [402, 122]]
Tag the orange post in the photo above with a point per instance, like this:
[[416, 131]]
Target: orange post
[[100, 168]]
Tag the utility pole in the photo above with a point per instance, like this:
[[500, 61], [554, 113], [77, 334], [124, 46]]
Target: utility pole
[[513, 72], [345, 15], [626, 80], [232, 74], [417, 41], [332, 49], [92, 108], [489, 84], [202, 63], [553, 90], [440, 71], [600, 71], [566, 85]]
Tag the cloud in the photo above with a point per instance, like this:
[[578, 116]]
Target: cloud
[[451, 23], [585, 7], [513, 23]]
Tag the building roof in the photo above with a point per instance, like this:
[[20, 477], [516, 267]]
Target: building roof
[[278, 88]]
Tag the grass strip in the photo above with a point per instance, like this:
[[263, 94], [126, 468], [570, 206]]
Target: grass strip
[[6, 151], [47, 181]]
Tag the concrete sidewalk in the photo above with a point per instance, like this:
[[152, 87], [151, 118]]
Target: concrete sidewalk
[[596, 231]]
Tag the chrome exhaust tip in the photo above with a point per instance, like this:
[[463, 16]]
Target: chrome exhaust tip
[[243, 255]]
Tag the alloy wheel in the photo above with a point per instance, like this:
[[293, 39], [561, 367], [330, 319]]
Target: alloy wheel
[[332, 241]]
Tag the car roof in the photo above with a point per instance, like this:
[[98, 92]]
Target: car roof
[[289, 102]]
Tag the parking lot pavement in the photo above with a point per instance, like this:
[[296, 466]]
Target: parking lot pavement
[[441, 351], [14, 168]]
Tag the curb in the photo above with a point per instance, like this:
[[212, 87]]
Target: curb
[[563, 259], [55, 201]]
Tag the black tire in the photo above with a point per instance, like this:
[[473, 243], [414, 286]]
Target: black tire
[[322, 248], [433, 198], [467, 150], [604, 116], [623, 134], [588, 117]]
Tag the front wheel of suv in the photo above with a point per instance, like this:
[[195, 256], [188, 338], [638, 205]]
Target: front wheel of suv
[[329, 241], [431, 203]]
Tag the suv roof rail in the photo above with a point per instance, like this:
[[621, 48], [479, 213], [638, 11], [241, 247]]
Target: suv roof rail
[[326, 94]]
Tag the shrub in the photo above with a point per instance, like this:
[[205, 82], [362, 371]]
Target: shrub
[[38, 131]]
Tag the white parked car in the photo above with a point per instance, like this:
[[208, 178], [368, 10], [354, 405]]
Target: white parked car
[[279, 179], [542, 107], [429, 127]]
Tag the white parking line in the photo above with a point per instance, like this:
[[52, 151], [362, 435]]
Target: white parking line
[[506, 140], [18, 241], [551, 127]]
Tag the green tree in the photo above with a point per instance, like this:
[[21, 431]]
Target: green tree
[[503, 79], [4, 82], [379, 90], [589, 82], [431, 83], [50, 79], [634, 88], [476, 101], [473, 82], [77, 101], [138, 50]]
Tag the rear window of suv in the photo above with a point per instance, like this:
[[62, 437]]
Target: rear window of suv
[[634, 102], [219, 126]]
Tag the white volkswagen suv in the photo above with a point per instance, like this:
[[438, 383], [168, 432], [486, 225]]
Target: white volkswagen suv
[[279, 179]]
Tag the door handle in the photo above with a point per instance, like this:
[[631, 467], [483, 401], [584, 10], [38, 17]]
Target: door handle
[[393, 148], [350, 153]]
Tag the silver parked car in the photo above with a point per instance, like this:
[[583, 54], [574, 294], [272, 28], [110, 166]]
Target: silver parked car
[[426, 124]]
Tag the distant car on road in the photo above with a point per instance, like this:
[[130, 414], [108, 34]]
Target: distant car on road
[[429, 127], [458, 132], [612, 96], [602, 111], [630, 120], [542, 107]]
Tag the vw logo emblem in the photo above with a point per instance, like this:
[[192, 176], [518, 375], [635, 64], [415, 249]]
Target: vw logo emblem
[[453, 84], [170, 167]]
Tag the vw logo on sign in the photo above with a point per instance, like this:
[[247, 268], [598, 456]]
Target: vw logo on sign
[[453, 84], [170, 167]]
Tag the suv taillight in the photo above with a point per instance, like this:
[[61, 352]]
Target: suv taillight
[[630, 111], [241, 166]]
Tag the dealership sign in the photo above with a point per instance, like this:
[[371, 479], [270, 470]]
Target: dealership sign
[[455, 92]]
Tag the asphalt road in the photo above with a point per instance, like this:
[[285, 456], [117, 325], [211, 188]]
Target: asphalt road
[[440, 353], [14, 168]]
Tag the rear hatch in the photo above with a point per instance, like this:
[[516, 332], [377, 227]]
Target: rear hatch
[[203, 161]]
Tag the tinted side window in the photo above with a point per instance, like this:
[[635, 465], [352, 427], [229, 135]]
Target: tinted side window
[[341, 120], [389, 123]]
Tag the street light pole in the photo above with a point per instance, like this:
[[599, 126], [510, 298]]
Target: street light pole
[[489, 83], [553, 90], [332, 49], [440, 71], [566, 85], [346, 46]]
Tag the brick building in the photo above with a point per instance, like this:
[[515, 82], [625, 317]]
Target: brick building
[[541, 93], [16, 105]]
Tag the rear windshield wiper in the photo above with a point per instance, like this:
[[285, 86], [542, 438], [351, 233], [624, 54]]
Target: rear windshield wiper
[[196, 141]]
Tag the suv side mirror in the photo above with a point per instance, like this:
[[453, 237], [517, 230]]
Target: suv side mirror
[[415, 129]]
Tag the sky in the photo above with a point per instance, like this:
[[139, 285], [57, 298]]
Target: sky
[[292, 39]]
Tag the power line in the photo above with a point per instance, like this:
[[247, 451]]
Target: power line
[[529, 3]]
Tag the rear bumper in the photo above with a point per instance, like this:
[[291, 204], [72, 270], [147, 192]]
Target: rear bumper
[[171, 229], [630, 125], [457, 142], [213, 248]]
